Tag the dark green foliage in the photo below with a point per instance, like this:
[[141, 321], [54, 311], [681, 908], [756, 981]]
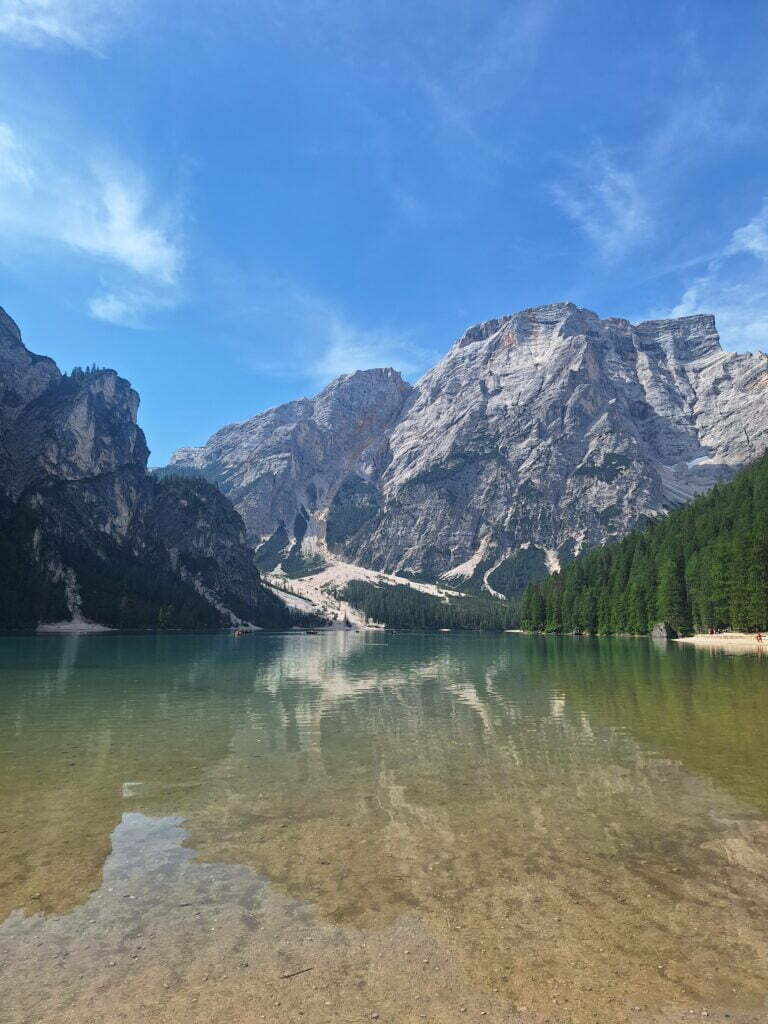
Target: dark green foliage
[[406, 607], [130, 593], [133, 583], [516, 572], [179, 472], [270, 553], [296, 564], [703, 567], [28, 593], [280, 550]]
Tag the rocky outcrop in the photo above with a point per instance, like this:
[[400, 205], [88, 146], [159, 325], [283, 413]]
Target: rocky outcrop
[[663, 631], [537, 435], [553, 430], [307, 468], [86, 532]]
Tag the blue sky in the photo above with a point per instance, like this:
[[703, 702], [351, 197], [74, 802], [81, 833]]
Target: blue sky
[[231, 203]]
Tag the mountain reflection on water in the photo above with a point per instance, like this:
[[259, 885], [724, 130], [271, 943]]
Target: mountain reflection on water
[[571, 825]]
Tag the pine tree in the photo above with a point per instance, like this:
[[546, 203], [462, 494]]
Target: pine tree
[[705, 565]]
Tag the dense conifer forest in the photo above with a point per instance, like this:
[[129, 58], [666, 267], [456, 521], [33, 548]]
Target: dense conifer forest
[[705, 566], [404, 607], [121, 586]]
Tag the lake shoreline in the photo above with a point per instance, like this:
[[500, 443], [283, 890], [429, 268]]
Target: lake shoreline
[[730, 641]]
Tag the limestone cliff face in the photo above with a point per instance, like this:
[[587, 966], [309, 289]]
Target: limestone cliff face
[[554, 430], [284, 468], [536, 435], [87, 532]]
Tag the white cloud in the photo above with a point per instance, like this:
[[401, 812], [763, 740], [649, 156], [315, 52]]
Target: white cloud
[[620, 204], [734, 287], [607, 204], [14, 168], [82, 24], [129, 307], [111, 218], [345, 346], [321, 342], [312, 338], [752, 237], [100, 209]]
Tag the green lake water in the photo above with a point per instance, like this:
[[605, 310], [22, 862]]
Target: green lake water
[[447, 827]]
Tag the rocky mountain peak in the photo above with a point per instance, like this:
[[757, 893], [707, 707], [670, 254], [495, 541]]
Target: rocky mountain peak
[[538, 434], [361, 392], [550, 326], [685, 338], [9, 329], [22, 373]]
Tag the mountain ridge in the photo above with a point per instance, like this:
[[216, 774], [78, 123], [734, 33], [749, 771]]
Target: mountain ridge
[[538, 434]]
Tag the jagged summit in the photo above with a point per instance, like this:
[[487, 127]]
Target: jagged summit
[[9, 329], [536, 435], [289, 460], [562, 320]]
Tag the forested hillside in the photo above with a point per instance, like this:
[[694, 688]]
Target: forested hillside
[[87, 534], [704, 566], [403, 607]]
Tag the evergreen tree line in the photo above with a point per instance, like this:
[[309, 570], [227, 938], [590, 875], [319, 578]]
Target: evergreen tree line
[[118, 587], [404, 607], [705, 566]]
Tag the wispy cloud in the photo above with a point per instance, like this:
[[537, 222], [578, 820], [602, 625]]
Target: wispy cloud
[[312, 337], [128, 307], [622, 199], [321, 341], [82, 24], [339, 345], [734, 287], [466, 92], [607, 204], [752, 237], [100, 209]]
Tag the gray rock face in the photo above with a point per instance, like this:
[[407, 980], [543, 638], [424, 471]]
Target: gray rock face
[[536, 435], [283, 468], [86, 531]]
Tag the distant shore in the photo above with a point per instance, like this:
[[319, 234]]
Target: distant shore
[[725, 641]]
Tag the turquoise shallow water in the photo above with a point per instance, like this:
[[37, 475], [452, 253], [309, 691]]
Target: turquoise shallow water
[[566, 828]]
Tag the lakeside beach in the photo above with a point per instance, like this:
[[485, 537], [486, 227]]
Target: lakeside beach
[[731, 641]]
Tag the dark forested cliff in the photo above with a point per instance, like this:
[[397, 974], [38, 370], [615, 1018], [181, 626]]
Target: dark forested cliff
[[86, 533]]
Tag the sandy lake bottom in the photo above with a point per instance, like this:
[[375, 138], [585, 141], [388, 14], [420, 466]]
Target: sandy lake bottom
[[391, 827]]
